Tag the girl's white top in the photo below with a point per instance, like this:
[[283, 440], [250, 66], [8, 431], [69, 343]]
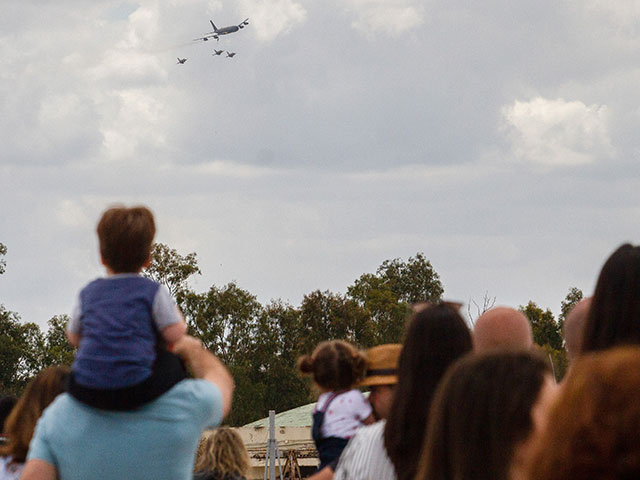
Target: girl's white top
[[345, 413], [8, 470]]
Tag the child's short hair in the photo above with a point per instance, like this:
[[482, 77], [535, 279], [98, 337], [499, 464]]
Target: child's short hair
[[335, 365], [125, 236]]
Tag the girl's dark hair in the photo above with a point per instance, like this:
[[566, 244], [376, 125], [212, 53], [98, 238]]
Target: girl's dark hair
[[335, 365], [614, 315], [480, 411], [435, 337]]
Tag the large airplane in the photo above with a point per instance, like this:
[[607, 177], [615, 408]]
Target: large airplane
[[181, 60], [222, 31]]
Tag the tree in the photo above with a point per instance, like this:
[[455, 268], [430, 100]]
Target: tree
[[224, 318], [20, 351], [3, 262], [546, 334], [573, 297], [387, 295], [170, 268], [57, 349], [487, 303], [544, 326]]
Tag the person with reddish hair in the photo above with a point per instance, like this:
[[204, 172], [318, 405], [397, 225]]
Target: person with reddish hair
[[593, 427], [21, 422]]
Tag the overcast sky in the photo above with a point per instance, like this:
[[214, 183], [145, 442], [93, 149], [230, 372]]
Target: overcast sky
[[499, 138]]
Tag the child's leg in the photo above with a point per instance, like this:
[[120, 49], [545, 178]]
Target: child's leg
[[168, 370]]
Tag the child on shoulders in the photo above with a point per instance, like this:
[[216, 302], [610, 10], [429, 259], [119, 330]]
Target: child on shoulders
[[124, 323], [337, 367]]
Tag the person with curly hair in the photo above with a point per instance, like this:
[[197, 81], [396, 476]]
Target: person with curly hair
[[221, 456], [337, 367]]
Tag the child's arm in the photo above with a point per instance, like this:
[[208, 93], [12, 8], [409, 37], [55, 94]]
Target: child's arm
[[369, 420], [74, 338], [73, 327], [175, 331], [167, 316]]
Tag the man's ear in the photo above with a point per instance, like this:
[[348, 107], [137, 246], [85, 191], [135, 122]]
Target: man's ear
[[148, 262]]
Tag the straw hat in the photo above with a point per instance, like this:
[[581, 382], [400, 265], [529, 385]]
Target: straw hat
[[382, 365]]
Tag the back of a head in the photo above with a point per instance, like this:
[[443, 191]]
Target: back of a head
[[224, 452], [335, 365], [573, 328], [125, 236], [614, 316], [502, 328], [481, 411], [593, 426], [436, 336], [37, 395]]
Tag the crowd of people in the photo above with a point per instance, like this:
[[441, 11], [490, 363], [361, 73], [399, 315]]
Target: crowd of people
[[449, 403]]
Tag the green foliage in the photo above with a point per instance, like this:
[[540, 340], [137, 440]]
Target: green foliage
[[3, 262], [57, 349], [558, 360], [544, 326], [573, 297], [260, 344], [387, 295], [20, 351], [225, 319], [170, 268]]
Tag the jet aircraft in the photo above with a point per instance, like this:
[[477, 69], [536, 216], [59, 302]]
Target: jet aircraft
[[217, 52], [230, 54], [222, 31], [181, 60]]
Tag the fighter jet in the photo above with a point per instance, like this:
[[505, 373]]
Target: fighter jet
[[217, 52], [181, 60], [230, 54], [222, 31]]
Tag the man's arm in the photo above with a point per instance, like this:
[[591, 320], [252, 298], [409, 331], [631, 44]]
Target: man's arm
[[36, 469], [206, 366]]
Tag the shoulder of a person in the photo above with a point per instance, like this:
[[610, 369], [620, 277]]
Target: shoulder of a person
[[199, 389], [367, 432]]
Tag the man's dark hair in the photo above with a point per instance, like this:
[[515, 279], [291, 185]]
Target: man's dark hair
[[614, 315], [435, 337], [125, 236]]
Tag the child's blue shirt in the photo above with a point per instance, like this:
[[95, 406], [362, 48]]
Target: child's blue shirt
[[115, 317]]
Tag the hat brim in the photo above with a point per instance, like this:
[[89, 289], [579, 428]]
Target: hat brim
[[376, 380]]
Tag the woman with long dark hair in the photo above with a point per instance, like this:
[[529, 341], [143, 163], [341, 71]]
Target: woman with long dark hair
[[436, 335], [482, 417], [614, 314]]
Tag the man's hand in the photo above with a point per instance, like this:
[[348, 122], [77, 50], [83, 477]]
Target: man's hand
[[206, 366]]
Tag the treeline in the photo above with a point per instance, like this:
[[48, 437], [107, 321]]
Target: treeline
[[261, 343]]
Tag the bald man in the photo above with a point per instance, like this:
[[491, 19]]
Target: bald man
[[502, 328], [573, 328]]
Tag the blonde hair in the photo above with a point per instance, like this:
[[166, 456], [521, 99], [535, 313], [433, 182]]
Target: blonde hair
[[224, 452]]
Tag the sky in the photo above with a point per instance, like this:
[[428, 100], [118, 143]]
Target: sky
[[499, 138]]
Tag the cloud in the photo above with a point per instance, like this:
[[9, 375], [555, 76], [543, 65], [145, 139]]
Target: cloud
[[557, 132], [621, 15], [390, 17], [273, 18]]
